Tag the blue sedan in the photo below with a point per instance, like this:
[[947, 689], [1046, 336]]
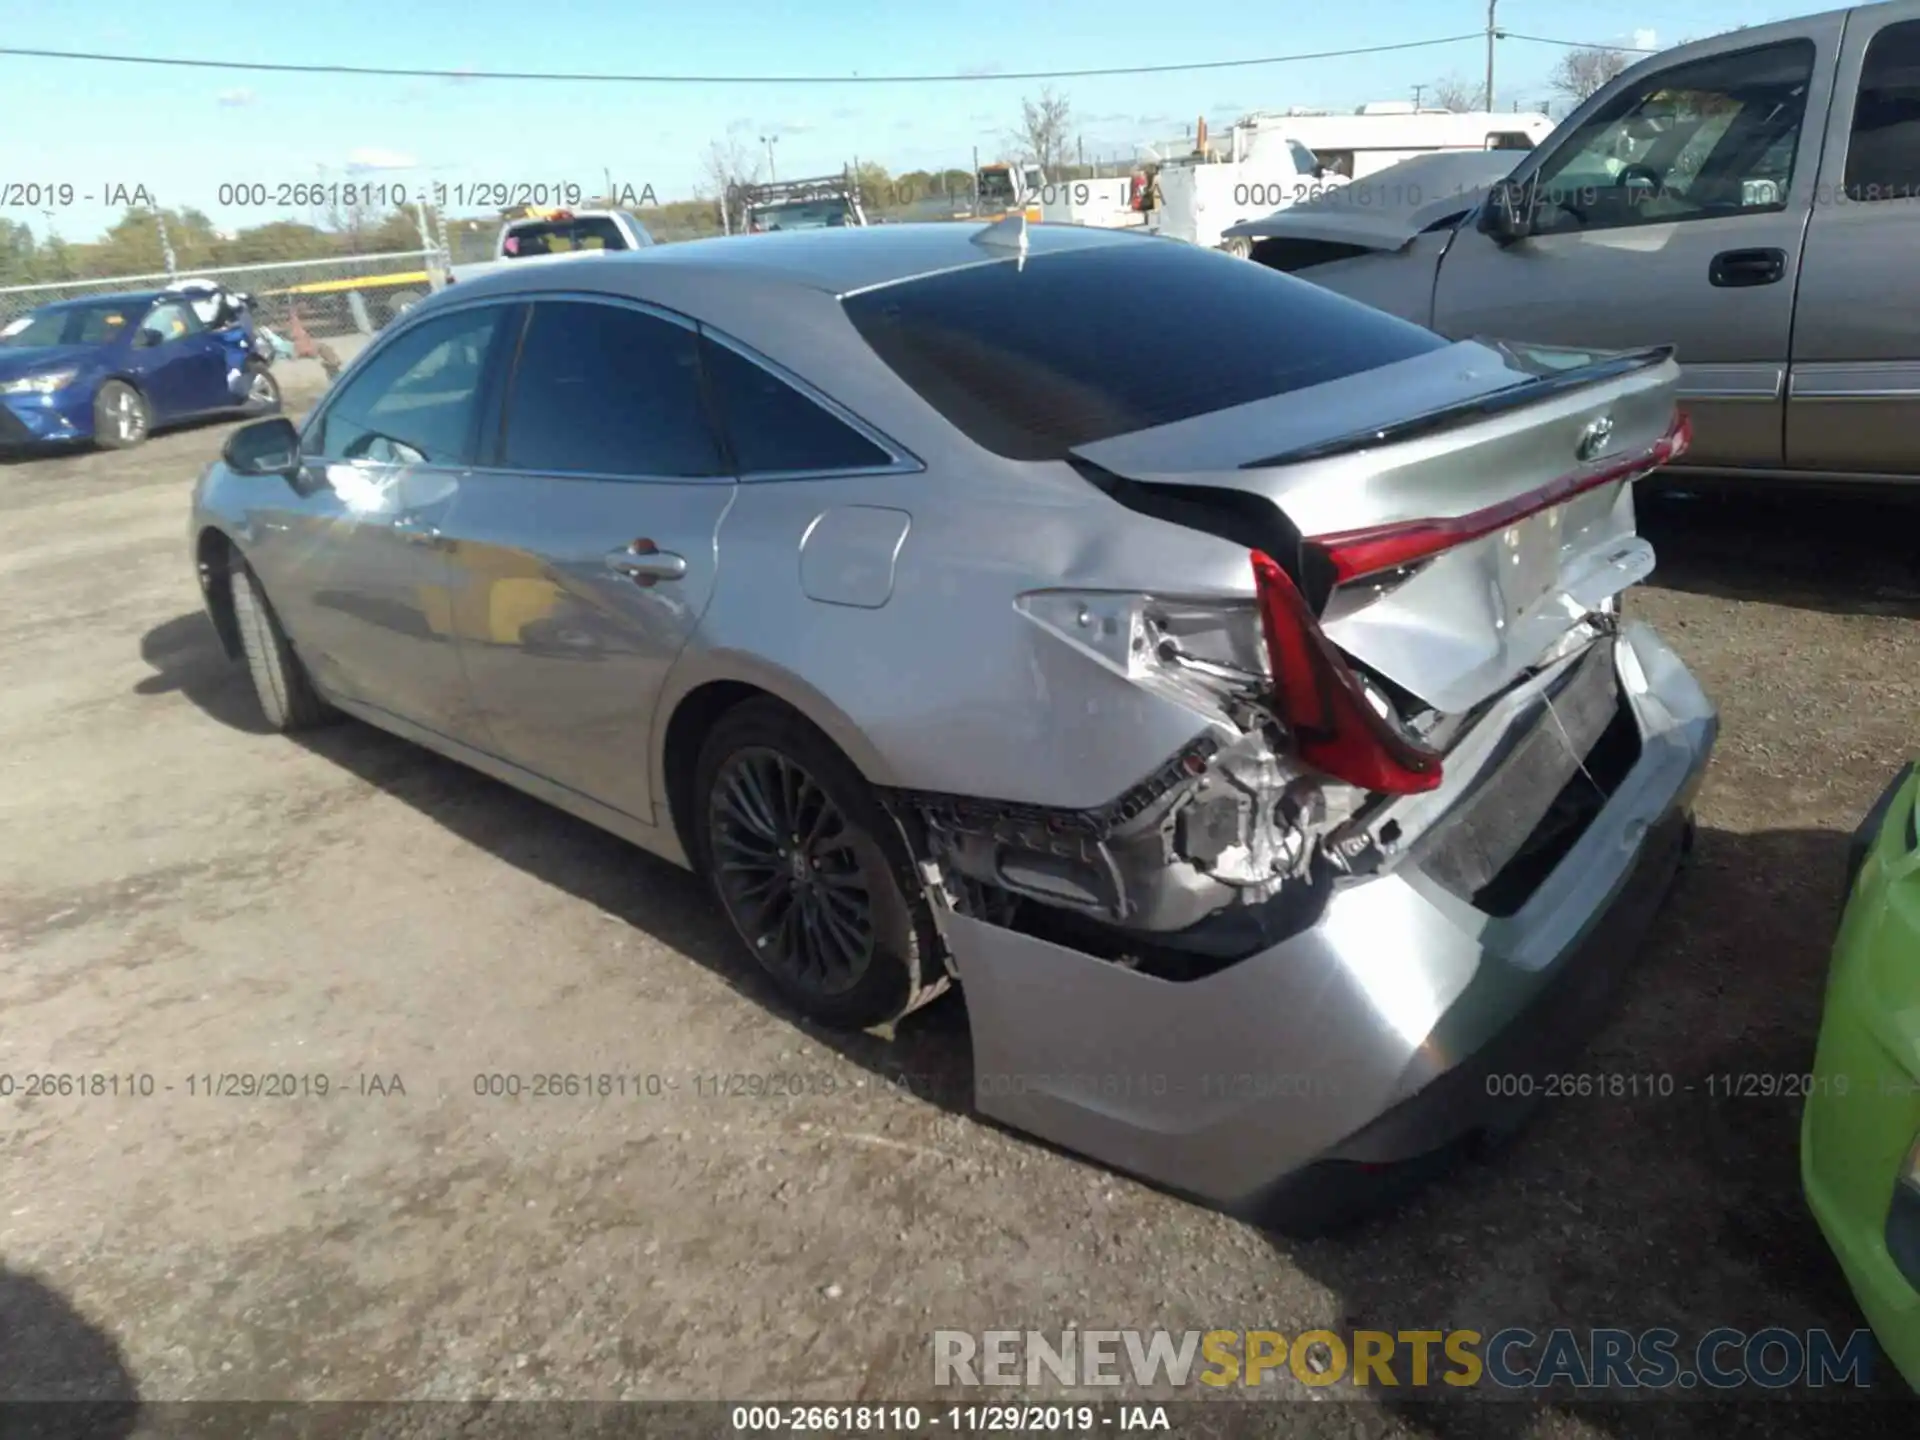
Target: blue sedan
[[114, 368]]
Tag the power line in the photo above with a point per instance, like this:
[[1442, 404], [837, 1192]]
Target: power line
[[399, 72], [1579, 44]]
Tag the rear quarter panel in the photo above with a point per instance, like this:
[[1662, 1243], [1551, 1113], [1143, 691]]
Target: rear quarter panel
[[946, 686]]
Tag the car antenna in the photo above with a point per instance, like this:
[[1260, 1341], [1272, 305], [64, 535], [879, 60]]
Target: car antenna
[[1006, 233]]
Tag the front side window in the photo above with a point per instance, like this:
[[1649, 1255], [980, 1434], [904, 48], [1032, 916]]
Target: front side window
[[415, 402], [773, 429], [606, 390], [1883, 152], [169, 321], [1711, 138]]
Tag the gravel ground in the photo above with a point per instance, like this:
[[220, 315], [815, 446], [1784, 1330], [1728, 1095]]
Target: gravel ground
[[184, 896]]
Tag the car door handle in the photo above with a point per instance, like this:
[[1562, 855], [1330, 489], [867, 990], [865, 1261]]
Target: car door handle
[[1731, 268], [645, 563]]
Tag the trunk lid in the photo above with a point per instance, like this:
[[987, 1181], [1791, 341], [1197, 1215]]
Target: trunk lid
[[1461, 511]]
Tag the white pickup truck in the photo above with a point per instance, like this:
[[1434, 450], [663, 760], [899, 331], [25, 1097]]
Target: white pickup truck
[[556, 234]]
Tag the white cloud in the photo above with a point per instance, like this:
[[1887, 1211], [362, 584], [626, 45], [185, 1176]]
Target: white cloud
[[372, 157], [1646, 40], [237, 97]]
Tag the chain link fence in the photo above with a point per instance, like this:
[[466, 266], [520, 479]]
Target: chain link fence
[[348, 295]]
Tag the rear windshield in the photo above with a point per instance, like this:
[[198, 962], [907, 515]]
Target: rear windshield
[[1031, 361], [557, 237]]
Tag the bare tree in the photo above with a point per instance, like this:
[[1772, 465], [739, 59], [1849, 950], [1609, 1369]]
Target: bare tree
[[727, 167], [1044, 136], [1457, 95], [1581, 72]]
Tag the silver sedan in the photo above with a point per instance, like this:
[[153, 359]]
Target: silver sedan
[[1222, 682]]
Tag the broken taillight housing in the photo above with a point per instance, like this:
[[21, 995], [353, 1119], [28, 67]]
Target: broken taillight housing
[[1336, 729]]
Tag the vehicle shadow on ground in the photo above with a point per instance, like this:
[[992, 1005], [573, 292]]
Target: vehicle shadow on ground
[[1681, 1210], [60, 1374], [1843, 551], [931, 1053]]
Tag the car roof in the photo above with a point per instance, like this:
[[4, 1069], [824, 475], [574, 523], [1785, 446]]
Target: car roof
[[835, 262], [124, 297]]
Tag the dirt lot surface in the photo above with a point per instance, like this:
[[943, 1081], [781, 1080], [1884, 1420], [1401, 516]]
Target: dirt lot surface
[[185, 897]]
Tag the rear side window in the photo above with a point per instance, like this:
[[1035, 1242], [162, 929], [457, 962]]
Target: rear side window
[[1883, 153], [1033, 360], [604, 390], [772, 428]]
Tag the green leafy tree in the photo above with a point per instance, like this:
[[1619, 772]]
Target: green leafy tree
[[18, 254]]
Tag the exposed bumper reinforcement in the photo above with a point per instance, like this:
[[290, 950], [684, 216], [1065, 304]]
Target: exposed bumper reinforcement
[[1362, 1041]]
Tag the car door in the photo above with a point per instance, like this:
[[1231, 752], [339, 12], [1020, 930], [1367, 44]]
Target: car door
[[354, 556], [1854, 389], [173, 363], [584, 550], [1672, 211]]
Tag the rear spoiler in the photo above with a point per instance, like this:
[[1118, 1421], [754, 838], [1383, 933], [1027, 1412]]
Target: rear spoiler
[[1471, 411]]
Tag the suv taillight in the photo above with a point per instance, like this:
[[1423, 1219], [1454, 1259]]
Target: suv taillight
[[1335, 727]]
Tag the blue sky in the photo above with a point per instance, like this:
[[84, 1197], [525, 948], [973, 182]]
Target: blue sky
[[182, 133]]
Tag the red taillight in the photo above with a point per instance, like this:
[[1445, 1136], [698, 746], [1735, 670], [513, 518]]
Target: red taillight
[[1319, 697], [1355, 553]]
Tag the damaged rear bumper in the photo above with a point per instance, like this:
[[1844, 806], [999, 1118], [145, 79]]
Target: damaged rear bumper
[[1378, 1035]]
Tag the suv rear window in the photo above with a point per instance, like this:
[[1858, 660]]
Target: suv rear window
[[557, 237], [1031, 360]]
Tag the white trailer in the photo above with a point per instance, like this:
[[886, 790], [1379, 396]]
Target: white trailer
[[1264, 169], [1106, 203], [1382, 134]]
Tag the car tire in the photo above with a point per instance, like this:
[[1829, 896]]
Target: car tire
[[121, 416], [1239, 247], [263, 390], [845, 931], [286, 694]]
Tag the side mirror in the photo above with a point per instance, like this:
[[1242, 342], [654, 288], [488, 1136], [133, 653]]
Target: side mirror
[[1506, 215], [147, 339], [266, 447], [1319, 172]]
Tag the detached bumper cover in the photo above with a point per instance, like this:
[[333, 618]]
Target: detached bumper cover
[[1863, 1112], [1367, 1038]]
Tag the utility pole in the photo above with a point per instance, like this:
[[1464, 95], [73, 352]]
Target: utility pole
[[1416, 96], [166, 245], [769, 141], [1491, 36]]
